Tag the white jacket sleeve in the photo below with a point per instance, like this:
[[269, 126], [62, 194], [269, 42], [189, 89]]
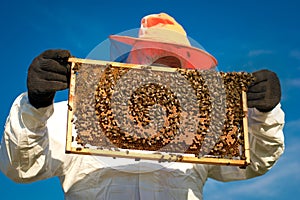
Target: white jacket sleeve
[[266, 146], [24, 150]]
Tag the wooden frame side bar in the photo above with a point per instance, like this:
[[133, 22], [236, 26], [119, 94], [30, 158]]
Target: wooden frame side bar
[[70, 109], [245, 125]]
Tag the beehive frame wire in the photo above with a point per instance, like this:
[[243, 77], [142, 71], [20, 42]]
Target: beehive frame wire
[[81, 94]]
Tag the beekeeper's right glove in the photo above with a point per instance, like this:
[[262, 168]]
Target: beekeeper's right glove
[[48, 73]]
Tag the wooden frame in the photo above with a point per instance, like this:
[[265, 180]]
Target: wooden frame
[[73, 145]]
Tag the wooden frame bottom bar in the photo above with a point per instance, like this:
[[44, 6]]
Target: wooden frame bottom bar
[[159, 157]]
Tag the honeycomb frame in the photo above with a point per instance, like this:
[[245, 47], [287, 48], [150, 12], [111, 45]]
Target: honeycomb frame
[[87, 133]]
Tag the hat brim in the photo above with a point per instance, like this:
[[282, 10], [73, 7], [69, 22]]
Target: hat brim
[[199, 58]]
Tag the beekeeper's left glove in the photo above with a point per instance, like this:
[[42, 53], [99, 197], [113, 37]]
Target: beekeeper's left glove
[[265, 92]]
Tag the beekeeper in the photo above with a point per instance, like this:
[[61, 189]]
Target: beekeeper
[[33, 144]]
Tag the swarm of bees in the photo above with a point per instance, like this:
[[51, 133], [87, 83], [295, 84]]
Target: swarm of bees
[[182, 111]]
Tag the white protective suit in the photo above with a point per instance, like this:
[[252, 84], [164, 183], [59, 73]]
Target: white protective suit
[[33, 147]]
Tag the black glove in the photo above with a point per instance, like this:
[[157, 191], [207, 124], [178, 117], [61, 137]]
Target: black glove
[[265, 92], [48, 73]]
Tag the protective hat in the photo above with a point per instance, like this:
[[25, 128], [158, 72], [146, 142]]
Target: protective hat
[[160, 35]]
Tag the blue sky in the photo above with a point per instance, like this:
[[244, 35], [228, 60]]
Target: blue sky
[[242, 35]]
